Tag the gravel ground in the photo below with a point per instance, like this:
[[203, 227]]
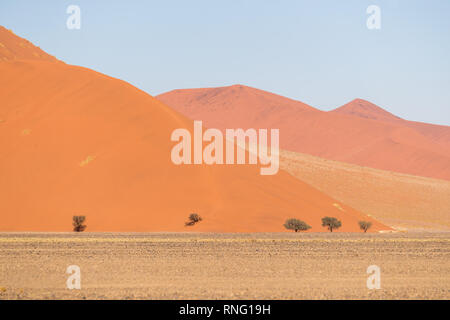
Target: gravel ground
[[224, 266]]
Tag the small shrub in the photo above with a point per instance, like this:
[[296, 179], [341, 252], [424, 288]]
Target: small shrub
[[364, 225], [77, 223], [296, 225], [331, 223], [193, 219]]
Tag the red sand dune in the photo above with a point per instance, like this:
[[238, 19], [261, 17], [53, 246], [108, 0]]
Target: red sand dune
[[77, 142], [366, 109], [13, 47], [359, 132], [361, 108]]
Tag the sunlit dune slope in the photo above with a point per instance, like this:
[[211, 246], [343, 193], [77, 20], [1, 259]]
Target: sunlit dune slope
[[400, 200], [76, 142], [13, 47]]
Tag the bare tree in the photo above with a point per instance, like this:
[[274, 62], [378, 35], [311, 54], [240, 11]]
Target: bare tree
[[364, 225], [77, 223], [193, 219]]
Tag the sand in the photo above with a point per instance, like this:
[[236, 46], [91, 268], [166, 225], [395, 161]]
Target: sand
[[365, 109], [225, 266], [77, 142], [13, 47], [402, 201], [359, 133]]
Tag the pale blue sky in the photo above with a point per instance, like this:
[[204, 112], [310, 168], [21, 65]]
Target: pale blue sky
[[317, 51]]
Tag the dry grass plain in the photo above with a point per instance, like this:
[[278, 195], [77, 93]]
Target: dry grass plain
[[225, 266]]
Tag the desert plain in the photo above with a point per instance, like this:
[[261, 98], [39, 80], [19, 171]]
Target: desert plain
[[76, 142], [413, 265]]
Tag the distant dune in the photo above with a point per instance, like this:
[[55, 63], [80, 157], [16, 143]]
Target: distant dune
[[437, 134], [359, 132], [402, 201], [366, 109], [77, 142]]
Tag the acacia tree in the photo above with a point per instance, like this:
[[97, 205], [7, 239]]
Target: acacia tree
[[77, 222], [331, 223], [193, 219], [364, 225], [296, 225]]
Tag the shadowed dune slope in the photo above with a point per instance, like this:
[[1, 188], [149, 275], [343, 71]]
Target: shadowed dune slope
[[399, 200], [76, 142], [359, 133]]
